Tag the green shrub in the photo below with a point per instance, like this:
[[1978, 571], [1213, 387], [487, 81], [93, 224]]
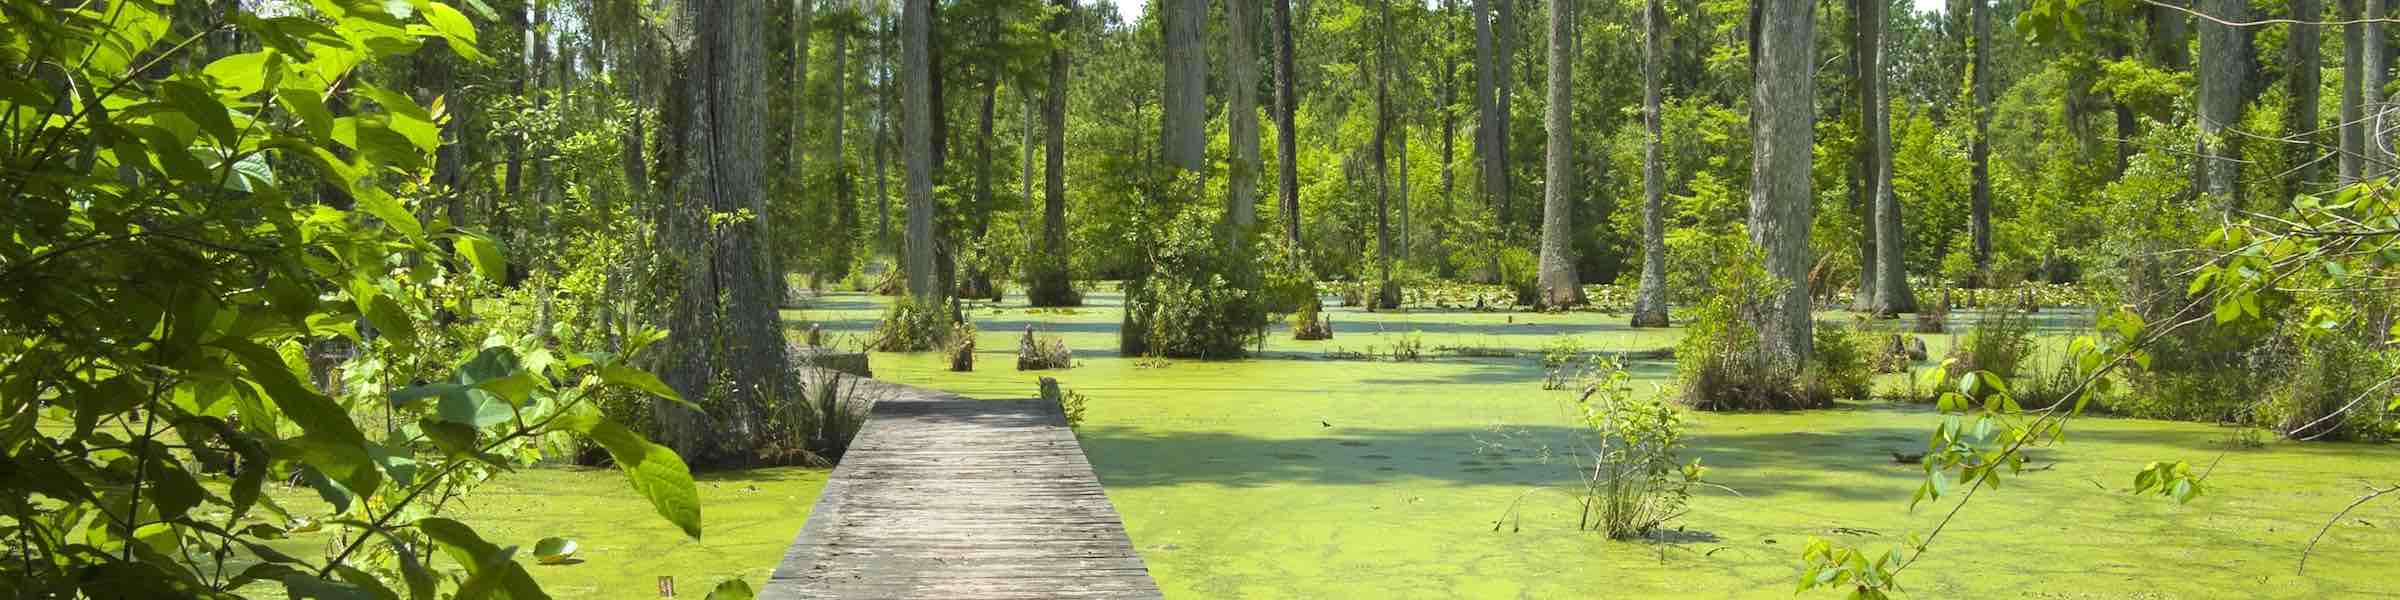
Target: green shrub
[[1636, 480], [911, 325], [2000, 344], [2336, 373], [1409, 347], [1838, 367], [1196, 300], [1561, 358], [1720, 365]]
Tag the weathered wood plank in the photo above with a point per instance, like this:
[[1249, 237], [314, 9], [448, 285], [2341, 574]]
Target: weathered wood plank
[[942, 496]]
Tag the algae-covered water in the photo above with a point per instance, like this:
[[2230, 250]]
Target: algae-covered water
[[1300, 476]]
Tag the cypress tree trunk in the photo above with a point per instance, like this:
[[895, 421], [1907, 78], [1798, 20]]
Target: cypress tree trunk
[[1050, 285], [2303, 78], [916, 140], [2372, 58], [2222, 70], [2353, 128], [883, 140], [1241, 108], [1387, 294], [1865, 33], [1183, 124], [1980, 205], [1487, 117], [1557, 280], [1505, 31], [845, 205], [794, 161], [1650, 302], [1782, 106], [1287, 102], [717, 117], [1892, 294]]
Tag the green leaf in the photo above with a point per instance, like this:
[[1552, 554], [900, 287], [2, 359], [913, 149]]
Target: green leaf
[[484, 253], [309, 105], [202, 108], [731, 589], [657, 473], [629, 376], [383, 206], [242, 74], [492, 572], [314, 413], [389, 319], [454, 26], [554, 550], [302, 586]]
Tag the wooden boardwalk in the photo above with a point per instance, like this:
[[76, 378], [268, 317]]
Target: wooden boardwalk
[[942, 496]]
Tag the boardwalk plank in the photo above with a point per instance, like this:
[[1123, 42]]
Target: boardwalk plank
[[942, 496]]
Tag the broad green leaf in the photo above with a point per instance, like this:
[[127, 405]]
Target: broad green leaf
[[390, 320], [313, 412], [731, 589], [309, 105], [454, 27], [629, 376], [657, 473], [484, 253], [303, 586], [241, 74], [203, 108], [381, 204]]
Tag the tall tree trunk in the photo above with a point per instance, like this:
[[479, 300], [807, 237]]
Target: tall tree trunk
[[1487, 116], [1287, 102], [837, 155], [1891, 293], [1979, 222], [1865, 32], [2167, 30], [1050, 285], [803, 14], [1184, 122], [1387, 291], [883, 137], [1782, 106], [2378, 66], [2304, 76], [1241, 108], [2354, 127], [723, 159], [2223, 68], [1650, 301], [1559, 284], [979, 280], [1449, 104], [916, 135], [1506, 35]]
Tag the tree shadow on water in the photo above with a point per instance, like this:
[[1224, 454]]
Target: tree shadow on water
[[1755, 464]]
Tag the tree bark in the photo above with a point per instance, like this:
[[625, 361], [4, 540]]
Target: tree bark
[[2303, 79], [719, 117], [1650, 301], [1184, 122], [1865, 35], [916, 140], [1979, 223], [2223, 68], [1050, 285], [1387, 291], [845, 205], [1892, 294], [1557, 279], [795, 161], [1506, 32], [883, 140], [2354, 127], [1241, 108], [1287, 102], [2378, 66], [1783, 104], [1487, 116]]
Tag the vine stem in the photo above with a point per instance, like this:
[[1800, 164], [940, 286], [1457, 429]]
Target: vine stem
[[2337, 517]]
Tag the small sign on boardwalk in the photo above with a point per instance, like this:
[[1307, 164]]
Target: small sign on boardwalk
[[942, 496]]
